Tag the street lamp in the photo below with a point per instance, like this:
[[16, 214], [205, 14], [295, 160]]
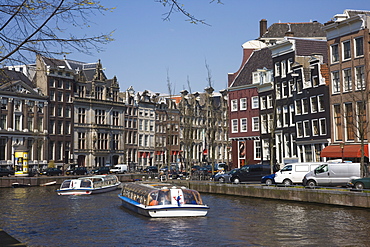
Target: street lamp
[[342, 147]]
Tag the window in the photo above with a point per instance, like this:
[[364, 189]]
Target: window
[[304, 106], [263, 102], [322, 126], [68, 111], [115, 118], [243, 125], [315, 81], [285, 89], [278, 90], [285, 116], [98, 92], [255, 124], [291, 117], [360, 78], [100, 116], [346, 49], [60, 111], [81, 115], [269, 102], [290, 63], [299, 129], [315, 127], [338, 123], [52, 95], [279, 117], [321, 104], [234, 105], [255, 103], [283, 68], [3, 121], [59, 129], [115, 141], [298, 107], [334, 53], [30, 123], [349, 121], [68, 85], [347, 80], [67, 129], [234, 124], [335, 82], [81, 91], [264, 124], [81, 141], [291, 88], [243, 104], [60, 84], [359, 46], [361, 119], [257, 150], [277, 69], [314, 104], [306, 128], [299, 86]]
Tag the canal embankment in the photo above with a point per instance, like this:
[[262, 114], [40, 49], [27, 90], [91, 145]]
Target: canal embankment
[[330, 196]]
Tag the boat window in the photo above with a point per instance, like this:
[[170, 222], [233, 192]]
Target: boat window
[[85, 183], [153, 198], [65, 184], [189, 197], [164, 197]]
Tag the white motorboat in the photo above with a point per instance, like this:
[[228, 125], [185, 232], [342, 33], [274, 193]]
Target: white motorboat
[[89, 185], [162, 200]]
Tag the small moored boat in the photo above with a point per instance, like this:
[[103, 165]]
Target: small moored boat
[[162, 200], [89, 185]]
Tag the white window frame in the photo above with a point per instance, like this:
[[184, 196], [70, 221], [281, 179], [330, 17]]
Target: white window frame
[[283, 69], [285, 115], [234, 125], [263, 102], [305, 111], [234, 105], [313, 106], [343, 50], [313, 127], [323, 132], [257, 149], [255, 123], [298, 106], [347, 80], [243, 125], [306, 123], [291, 114], [335, 82], [255, 102], [269, 101], [360, 82], [243, 104], [334, 59], [320, 103], [277, 69], [299, 125], [355, 46]]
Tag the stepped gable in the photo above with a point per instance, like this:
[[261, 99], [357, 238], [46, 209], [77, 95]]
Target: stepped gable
[[304, 29], [258, 60]]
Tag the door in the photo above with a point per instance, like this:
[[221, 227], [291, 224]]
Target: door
[[322, 175]]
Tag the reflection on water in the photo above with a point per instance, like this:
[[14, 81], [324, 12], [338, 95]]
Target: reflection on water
[[38, 217]]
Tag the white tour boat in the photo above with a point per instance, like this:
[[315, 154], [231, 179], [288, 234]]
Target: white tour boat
[[162, 200], [89, 185]]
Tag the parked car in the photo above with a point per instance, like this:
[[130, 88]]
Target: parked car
[[77, 171], [360, 183], [250, 173], [51, 172], [225, 177], [119, 168], [332, 174], [101, 170], [268, 179], [293, 173], [152, 169], [6, 172]]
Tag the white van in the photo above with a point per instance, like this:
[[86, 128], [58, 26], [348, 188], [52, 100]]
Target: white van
[[294, 173], [332, 174], [119, 168]]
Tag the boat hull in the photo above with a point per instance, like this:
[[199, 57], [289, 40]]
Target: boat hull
[[157, 211]]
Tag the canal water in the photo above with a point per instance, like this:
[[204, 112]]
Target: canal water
[[37, 216]]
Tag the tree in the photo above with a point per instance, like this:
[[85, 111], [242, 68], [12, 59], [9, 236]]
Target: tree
[[46, 27], [176, 6]]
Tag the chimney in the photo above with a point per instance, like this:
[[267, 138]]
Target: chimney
[[263, 27]]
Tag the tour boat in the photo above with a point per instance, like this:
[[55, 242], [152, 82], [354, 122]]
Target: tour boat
[[89, 185], [162, 200]]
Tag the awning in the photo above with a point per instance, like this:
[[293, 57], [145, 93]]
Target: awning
[[349, 151]]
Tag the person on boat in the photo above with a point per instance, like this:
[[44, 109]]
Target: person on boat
[[164, 197]]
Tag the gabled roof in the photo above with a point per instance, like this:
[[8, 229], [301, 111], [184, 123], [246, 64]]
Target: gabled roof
[[7, 76], [258, 60], [304, 29], [16, 83]]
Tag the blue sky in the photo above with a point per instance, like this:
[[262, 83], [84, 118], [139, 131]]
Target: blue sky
[[147, 49]]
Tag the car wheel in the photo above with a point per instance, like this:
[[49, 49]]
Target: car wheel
[[311, 183], [269, 182], [222, 180], [359, 186], [236, 180], [287, 182]]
